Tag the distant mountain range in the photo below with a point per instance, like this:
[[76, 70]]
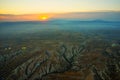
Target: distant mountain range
[[63, 21]]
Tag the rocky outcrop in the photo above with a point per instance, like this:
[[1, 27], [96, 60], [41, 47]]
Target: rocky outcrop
[[6, 57], [111, 72], [112, 66], [46, 63], [86, 60]]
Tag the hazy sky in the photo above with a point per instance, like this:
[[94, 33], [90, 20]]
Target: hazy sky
[[57, 6]]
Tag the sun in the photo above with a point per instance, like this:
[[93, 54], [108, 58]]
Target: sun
[[43, 18]]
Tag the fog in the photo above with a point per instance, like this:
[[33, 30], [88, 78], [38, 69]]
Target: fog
[[31, 27]]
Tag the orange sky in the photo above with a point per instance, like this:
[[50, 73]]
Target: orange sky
[[105, 15], [31, 17], [33, 9]]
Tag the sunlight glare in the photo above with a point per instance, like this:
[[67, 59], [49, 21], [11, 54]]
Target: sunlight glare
[[43, 18]]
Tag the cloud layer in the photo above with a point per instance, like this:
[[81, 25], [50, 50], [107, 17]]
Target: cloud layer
[[109, 16]]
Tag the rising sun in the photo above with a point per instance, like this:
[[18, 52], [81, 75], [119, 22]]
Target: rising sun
[[43, 18]]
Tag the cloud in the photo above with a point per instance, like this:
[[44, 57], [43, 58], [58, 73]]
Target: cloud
[[109, 16], [8, 17]]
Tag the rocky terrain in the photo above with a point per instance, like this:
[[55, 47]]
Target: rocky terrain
[[69, 57]]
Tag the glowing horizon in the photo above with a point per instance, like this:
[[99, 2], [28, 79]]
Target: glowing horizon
[[110, 16], [16, 10]]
